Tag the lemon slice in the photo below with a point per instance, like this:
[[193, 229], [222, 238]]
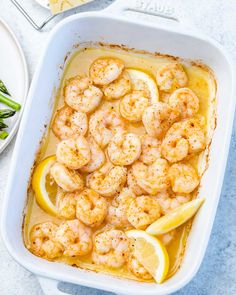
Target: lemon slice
[[175, 218], [45, 190], [151, 254], [147, 80]]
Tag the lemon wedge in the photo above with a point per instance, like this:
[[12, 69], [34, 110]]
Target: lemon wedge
[[147, 80], [45, 190], [151, 254], [175, 218]]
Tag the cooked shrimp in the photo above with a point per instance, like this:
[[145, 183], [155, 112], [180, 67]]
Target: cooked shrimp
[[103, 125], [68, 180], [111, 248], [104, 71], [81, 95], [124, 148], [66, 204], [183, 177], [169, 202], [75, 237], [43, 243], [119, 87], [133, 185], [74, 153], [150, 149], [137, 268], [153, 178], [91, 208], [171, 76], [68, 123], [133, 105], [194, 130], [107, 181], [174, 147], [143, 211], [117, 211], [97, 157], [185, 101], [182, 139], [158, 118]]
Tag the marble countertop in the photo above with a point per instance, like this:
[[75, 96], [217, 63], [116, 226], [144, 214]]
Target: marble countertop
[[216, 276]]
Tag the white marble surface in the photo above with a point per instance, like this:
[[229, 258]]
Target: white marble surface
[[215, 18]]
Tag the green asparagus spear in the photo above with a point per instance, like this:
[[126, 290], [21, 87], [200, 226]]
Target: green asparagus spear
[[9, 102], [2, 125], [3, 88], [6, 113], [4, 134]]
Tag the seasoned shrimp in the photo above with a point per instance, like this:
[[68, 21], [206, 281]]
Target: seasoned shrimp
[[137, 268], [124, 148], [119, 87], [68, 123], [182, 139], [174, 147], [74, 153], [171, 76], [104, 71], [185, 101], [111, 248], [184, 179], [153, 178], [117, 211], [97, 157], [103, 125], [169, 202], [150, 149], [143, 211], [194, 131], [158, 118], [68, 180], [75, 237], [107, 181], [66, 204], [133, 185], [81, 95], [91, 208], [43, 243], [133, 105]]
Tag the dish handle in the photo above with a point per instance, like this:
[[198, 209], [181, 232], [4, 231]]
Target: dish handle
[[50, 287], [167, 10]]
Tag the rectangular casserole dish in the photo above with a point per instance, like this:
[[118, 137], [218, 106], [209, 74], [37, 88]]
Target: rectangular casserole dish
[[123, 25]]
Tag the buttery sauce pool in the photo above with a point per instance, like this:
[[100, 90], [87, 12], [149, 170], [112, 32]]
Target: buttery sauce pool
[[201, 81]]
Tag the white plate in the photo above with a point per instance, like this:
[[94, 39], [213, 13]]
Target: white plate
[[14, 73]]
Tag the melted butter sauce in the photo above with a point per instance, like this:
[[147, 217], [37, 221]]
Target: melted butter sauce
[[201, 81]]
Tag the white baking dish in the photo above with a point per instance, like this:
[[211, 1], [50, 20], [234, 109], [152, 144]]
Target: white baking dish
[[113, 26]]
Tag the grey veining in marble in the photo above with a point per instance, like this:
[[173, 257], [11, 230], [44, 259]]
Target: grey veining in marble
[[217, 275]]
